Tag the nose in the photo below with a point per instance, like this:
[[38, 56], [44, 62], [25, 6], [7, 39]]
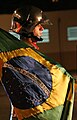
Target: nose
[[41, 27]]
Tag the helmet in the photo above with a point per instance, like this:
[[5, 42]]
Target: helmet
[[28, 17]]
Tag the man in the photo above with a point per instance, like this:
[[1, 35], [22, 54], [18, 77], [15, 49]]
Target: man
[[27, 25], [38, 87]]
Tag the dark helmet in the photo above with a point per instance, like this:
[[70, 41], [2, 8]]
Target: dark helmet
[[28, 17]]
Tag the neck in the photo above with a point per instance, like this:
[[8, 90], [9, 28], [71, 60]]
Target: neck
[[31, 43]]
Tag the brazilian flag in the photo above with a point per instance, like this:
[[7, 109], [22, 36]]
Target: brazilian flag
[[38, 87]]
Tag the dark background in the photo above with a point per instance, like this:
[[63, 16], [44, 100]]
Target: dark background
[[8, 6]]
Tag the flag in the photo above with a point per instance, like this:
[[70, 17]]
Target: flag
[[38, 87]]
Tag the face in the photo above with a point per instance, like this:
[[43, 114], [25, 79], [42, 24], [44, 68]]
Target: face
[[38, 30]]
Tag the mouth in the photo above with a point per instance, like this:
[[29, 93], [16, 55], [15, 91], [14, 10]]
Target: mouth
[[41, 33]]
